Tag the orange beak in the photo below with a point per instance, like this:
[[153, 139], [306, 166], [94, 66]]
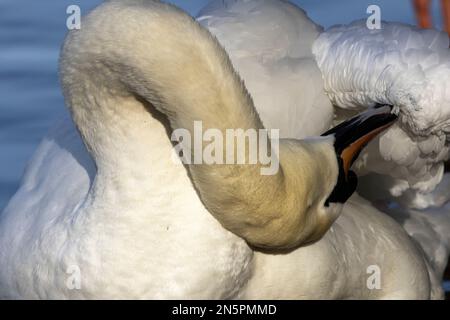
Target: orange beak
[[353, 135]]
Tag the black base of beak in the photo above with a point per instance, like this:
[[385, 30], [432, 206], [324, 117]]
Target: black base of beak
[[351, 137]]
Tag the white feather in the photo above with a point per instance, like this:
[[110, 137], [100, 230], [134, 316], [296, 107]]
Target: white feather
[[182, 251]]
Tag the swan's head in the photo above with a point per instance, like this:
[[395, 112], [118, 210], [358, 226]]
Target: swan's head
[[351, 137], [326, 181], [315, 182]]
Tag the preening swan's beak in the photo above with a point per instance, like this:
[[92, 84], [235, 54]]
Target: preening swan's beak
[[351, 137]]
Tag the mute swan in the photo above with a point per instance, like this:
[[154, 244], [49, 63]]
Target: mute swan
[[259, 53], [398, 65], [136, 228]]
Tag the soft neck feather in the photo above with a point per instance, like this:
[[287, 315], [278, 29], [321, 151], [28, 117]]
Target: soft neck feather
[[132, 57]]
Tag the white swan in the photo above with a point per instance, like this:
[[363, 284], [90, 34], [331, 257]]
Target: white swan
[[269, 55], [136, 228]]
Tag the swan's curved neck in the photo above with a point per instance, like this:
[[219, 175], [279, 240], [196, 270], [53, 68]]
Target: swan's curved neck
[[132, 57]]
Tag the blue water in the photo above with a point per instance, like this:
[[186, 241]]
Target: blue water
[[31, 33]]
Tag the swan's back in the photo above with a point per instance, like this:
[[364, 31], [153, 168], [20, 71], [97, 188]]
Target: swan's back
[[270, 44], [55, 183], [171, 247]]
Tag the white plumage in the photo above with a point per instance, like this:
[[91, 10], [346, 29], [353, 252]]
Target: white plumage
[[270, 44], [181, 251]]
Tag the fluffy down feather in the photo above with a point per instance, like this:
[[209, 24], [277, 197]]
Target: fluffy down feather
[[402, 66]]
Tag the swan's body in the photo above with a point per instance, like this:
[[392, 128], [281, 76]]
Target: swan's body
[[136, 228], [308, 272], [215, 260]]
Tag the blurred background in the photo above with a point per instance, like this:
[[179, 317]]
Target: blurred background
[[31, 33]]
